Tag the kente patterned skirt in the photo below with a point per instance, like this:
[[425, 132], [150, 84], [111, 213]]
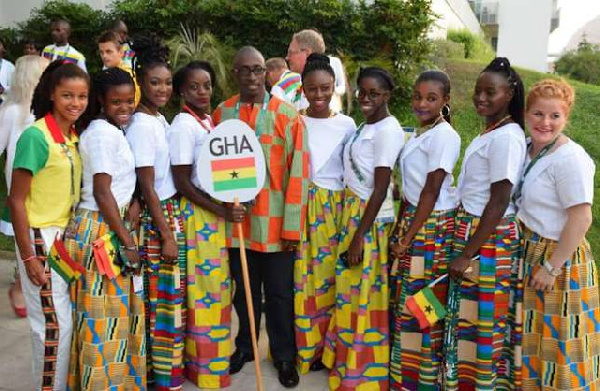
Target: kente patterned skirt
[[314, 274], [417, 354], [164, 284], [483, 327], [208, 339], [561, 329], [108, 350], [357, 342]]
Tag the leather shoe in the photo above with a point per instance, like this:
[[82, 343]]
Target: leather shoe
[[288, 375], [317, 366], [238, 359]]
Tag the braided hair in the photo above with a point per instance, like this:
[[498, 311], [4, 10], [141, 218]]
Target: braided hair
[[384, 77], [53, 75], [150, 52], [317, 62], [442, 78], [181, 75], [103, 81], [516, 106]]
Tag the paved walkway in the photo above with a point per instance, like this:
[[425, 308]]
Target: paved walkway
[[15, 353]]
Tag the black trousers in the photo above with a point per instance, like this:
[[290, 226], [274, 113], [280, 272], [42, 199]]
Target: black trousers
[[274, 272]]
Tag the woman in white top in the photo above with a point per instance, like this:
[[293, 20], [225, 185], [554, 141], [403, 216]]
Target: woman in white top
[[357, 343], [314, 270], [15, 116], [106, 298], [162, 241], [425, 231], [561, 304], [483, 326], [207, 359]]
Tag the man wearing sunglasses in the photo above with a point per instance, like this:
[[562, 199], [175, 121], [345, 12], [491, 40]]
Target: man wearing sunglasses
[[275, 221]]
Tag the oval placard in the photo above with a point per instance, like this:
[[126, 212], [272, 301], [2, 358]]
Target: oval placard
[[232, 164]]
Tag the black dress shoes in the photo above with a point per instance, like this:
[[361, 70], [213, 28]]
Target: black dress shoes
[[237, 361], [317, 366], [288, 375]]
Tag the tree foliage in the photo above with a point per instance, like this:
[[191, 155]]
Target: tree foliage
[[581, 64]]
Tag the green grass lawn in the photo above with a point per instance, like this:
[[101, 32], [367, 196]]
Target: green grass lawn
[[584, 126]]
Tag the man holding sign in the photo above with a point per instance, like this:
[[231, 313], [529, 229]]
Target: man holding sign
[[275, 221]]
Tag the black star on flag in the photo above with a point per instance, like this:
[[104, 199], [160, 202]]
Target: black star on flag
[[234, 174], [428, 309]]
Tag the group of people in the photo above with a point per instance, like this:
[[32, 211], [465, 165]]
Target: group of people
[[129, 268]]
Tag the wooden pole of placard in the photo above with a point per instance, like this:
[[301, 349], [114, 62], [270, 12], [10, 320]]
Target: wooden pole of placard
[[248, 291]]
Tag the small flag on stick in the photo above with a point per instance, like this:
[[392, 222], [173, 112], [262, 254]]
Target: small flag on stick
[[62, 263], [425, 306]]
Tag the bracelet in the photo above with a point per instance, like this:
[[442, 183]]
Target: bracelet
[[402, 244], [129, 248], [29, 258]]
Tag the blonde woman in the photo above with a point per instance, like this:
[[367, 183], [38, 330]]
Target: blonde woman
[[15, 116]]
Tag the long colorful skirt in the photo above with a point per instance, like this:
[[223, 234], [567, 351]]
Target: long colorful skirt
[[108, 348], [314, 274], [164, 283], [208, 339], [561, 329], [483, 327], [417, 354], [357, 342]]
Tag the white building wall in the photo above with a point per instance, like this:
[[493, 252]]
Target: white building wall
[[524, 32], [453, 14], [14, 11]]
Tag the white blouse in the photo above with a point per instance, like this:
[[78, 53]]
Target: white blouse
[[326, 140], [104, 150], [186, 137], [376, 145], [490, 158], [438, 148], [147, 137], [558, 181], [11, 127]]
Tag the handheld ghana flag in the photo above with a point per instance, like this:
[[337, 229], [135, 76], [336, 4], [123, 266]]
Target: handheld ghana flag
[[62, 263], [425, 306], [233, 174], [105, 253]]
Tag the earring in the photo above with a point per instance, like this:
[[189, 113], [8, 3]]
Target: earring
[[445, 110]]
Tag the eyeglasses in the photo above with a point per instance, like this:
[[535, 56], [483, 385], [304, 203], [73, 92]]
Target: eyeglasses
[[294, 52], [372, 95], [246, 71]]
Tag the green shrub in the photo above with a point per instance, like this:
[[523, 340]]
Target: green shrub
[[445, 49], [582, 64], [475, 46]]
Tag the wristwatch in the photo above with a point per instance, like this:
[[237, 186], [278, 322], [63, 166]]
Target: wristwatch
[[554, 271]]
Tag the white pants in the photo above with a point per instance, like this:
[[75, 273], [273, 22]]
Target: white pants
[[62, 306]]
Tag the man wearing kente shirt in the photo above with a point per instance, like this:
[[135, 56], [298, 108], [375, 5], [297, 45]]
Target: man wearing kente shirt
[[61, 49], [275, 222]]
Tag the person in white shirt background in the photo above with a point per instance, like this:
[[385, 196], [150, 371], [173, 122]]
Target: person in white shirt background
[[61, 49], [485, 291], [423, 237], [314, 270], [6, 70], [561, 279], [15, 116], [361, 283]]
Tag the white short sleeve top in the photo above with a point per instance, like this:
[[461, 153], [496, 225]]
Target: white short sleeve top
[[490, 158], [186, 136], [104, 150], [438, 148], [326, 140], [12, 124], [375, 145], [147, 137], [557, 181]]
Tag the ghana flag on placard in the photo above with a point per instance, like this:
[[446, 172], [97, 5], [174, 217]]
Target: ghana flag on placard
[[62, 263], [425, 307], [233, 174]]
